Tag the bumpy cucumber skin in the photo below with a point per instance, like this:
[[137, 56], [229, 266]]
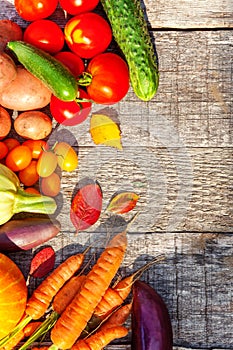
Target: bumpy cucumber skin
[[46, 68], [131, 34]]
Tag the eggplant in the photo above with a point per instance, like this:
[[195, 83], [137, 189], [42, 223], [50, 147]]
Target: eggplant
[[25, 234], [151, 324]]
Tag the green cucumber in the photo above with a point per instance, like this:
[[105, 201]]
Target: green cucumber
[[131, 33], [46, 68]]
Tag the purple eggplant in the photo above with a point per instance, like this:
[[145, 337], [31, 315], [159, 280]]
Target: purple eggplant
[[151, 324], [25, 234]]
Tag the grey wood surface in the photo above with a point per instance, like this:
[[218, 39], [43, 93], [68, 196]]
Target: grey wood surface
[[177, 155]]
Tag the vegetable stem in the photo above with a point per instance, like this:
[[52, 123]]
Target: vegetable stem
[[33, 203], [42, 329], [15, 331], [85, 79]]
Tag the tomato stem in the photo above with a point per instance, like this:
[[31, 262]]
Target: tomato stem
[[84, 79]]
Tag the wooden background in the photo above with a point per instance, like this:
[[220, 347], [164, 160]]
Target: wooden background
[[177, 155]]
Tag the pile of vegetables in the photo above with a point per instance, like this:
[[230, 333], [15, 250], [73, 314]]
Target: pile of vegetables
[[52, 75], [88, 311]]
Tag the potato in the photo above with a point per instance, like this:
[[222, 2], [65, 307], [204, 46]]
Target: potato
[[9, 30], [8, 70], [33, 125], [5, 123], [25, 92]]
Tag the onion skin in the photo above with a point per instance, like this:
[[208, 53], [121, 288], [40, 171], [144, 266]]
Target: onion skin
[[25, 234], [151, 324]]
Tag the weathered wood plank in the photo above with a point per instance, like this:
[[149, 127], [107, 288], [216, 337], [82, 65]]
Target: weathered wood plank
[[189, 14], [182, 14]]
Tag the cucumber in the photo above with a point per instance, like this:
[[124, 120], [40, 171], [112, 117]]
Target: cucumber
[[46, 68], [131, 33]]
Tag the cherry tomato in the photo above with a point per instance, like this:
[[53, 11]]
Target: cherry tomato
[[51, 185], [32, 190], [31, 10], [45, 35], [47, 163], [74, 7], [87, 34], [3, 150], [70, 113], [19, 158], [110, 78], [36, 146], [71, 61], [28, 176], [66, 156], [11, 143]]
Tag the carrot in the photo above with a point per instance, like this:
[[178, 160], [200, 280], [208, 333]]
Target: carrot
[[115, 296], [60, 302], [67, 293], [75, 317], [109, 330], [102, 338]]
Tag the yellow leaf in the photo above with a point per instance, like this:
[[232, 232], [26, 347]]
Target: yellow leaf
[[105, 131]]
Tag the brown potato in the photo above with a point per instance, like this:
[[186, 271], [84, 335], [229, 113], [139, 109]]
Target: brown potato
[[25, 92], [33, 125], [5, 123], [8, 70], [9, 30]]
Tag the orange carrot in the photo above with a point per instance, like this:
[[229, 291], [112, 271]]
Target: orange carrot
[[44, 293], [115, 296], [100, 339], [75, 317], [111, 329], [67, 293]]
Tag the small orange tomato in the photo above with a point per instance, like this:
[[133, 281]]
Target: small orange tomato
[[32, 190], [11, 143], [47, 163], [36, 146], [29, 176], [19, 158], [3, 150], [51, 185]]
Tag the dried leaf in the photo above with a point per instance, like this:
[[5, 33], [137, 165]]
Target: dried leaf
[[105, 131], [86, 206], [42, 262], [123, 202]]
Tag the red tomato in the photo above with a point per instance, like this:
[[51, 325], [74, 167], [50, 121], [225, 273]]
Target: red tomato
[[45, 35], [110, 78], [31, 10], [88, 34], [74, 7], [71, 61], [19, 158], [36, 146], [28, 176], [70, 113], [3, 150], [11, 143]]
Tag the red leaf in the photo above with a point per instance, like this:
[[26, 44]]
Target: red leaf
[[123, 202], [86, 206], [42, 262]]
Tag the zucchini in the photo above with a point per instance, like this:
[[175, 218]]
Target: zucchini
[[46, 68], [131, 33]]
